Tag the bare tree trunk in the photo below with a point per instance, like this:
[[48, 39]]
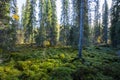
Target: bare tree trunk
[[81, 28]]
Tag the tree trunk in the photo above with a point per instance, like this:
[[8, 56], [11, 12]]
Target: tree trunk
[[81, 28]]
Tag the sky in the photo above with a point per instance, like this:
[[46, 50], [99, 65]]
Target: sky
[[21, 2]]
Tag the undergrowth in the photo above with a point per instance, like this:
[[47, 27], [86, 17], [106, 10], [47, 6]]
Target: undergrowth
[[56, 64]]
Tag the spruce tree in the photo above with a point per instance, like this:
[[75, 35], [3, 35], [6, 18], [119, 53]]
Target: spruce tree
[[48, 25], [97, 33], [26, 18], [4, 25], [65, 29], [115, 23], [41, 36], [32, 21], [14, 20], [81, 28], [105, 22], [54, 30], [74, 32]]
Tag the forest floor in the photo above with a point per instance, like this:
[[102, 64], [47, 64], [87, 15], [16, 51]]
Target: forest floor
[[34, 63]]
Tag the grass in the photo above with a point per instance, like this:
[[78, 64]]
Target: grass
[[34, 63]]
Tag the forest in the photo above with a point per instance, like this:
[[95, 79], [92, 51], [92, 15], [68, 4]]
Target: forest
[[81, 43]]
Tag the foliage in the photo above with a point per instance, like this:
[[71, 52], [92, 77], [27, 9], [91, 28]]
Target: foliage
[[62, 73], [16, 17], [105, 22], [100, 63], [115, 22], [65, 28], [46, 43]]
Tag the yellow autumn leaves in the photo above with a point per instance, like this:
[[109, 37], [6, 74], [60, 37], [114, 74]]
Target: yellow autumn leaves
[[16, 17]]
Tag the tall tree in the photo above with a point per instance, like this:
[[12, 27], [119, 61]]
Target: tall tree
[[65, 29], [81, 28], [41, 36], [48, 22], [105, 22], [48, 25], [115, 23], [86, 30], [32, 21], [96, 23], [74, 31], [4, 25], [25, 20], [14, 20], [54, 30]]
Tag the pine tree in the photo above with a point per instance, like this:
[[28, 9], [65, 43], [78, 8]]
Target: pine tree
[[14, 20], [97, 33], [105, 22], [65, 29], [115, 23], [41, 36], [48, 25], [54, 30], [74, 32], [4, 9], [32, 21], [81, 28], [86, 30], [4, 25], [25, 20]]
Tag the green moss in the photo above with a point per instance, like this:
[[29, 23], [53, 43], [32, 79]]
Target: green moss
[[55, 64], [61, 73], [84, 73], [8, 73]]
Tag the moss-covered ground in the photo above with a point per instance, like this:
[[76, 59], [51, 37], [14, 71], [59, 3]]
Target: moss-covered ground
[[33, 63]]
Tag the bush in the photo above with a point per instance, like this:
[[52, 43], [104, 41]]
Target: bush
[[61, 56], [46, 44]]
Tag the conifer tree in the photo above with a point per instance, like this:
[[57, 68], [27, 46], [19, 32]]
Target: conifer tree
[[105, 22], [26, 18], [97, 33], [4, 25], [14, 20], [48, 19], [115, 23], [54, 30], [32, 21], [81, 28], [74, 32], [41, 36], [65, 29]]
